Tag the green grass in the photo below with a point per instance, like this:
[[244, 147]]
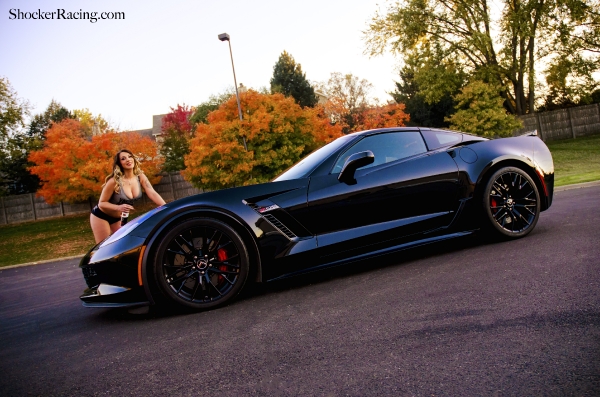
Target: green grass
[[47, 239], [575, 161]]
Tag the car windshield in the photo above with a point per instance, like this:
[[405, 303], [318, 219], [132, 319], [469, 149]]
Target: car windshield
[[310, 162]]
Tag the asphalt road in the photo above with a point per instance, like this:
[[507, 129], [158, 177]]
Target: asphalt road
[[465, 318]]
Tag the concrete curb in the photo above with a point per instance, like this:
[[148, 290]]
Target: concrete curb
[[576, 186], [41, 262], [556, 189]]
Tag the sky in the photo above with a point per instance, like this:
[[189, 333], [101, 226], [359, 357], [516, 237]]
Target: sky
[[165, 53]]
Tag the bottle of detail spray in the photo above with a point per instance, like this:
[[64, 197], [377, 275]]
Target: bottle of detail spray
[[124, 218]]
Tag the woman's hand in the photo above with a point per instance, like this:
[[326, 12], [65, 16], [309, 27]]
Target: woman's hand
[[125, 208]]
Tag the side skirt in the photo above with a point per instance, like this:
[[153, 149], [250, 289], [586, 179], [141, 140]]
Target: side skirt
[[377, 253]]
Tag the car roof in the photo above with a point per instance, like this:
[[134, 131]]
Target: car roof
[[389, 129], [399, 129]]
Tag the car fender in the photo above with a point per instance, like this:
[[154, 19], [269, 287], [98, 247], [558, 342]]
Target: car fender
[[190, 212]]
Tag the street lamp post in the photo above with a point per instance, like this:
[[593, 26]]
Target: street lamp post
[[226, 37]]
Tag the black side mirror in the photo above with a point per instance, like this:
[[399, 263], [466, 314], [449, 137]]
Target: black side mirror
[[354, 162]]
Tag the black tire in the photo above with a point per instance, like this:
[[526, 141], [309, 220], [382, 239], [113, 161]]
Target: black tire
[[201, 263], [511, 203]]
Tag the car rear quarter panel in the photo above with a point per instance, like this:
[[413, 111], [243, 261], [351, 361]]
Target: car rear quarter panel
[[528, 153]]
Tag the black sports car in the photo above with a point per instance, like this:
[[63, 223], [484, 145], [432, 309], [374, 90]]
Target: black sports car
[[364, 194]]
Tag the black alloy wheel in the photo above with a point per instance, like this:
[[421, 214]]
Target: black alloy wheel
[[201, 263], [511, 202]]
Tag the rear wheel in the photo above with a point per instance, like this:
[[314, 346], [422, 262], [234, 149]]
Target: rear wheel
[[511, 202], [201, 263]]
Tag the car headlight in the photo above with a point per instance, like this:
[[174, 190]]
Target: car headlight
[[129, 227]]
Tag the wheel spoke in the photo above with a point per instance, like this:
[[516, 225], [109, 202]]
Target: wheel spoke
[[185, 252], [177, 252], [198, 284], [526, 207], [219, 271], [176, 280], [213, 242], [187, 277], [226, 279], [524, 184], [521, 217], [179, 268], [224, 245], [226, 263], [502, 211], [514, 180], [190, 243], [207, 278], [499, 188]]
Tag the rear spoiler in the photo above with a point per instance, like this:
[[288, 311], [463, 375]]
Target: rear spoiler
[[529, 133]]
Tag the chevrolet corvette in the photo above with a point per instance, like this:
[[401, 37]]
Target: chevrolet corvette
[[365, 194]]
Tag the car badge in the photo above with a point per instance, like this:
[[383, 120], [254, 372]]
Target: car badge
[[268, 208]]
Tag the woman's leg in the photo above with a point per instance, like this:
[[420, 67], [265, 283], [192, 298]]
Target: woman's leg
[[114, 227], [100, 228]]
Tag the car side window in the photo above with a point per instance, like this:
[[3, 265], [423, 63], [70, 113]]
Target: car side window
[[386, 147], [439, 138]]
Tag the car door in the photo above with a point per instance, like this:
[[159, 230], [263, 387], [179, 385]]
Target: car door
[[406, 191]]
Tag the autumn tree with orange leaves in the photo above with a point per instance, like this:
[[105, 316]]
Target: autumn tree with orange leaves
[[348, 105], [390, 115], [278, 133], [72, 167]]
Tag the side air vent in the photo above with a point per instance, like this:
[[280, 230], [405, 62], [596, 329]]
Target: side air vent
[[270, 218], [275, 222]]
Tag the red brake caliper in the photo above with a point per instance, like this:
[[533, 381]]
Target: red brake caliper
[[222, 257]]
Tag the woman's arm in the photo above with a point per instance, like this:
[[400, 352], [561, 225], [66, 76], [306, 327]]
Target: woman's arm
[[150, 192], [109, 208]]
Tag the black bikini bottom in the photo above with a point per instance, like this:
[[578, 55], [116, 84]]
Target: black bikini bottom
[[110, 219]]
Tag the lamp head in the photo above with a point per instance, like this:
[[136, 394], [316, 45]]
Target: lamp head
[[224, 37]]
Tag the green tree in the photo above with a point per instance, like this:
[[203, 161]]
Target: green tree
[[289, 80], [201, 111], [13, 143], [427, 86], [480, 111], [41, 122], [534, 34], [13, 110], [347, 97], [92, 125]]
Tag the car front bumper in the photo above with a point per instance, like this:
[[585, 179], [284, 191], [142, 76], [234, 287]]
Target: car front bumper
[[113, 274]]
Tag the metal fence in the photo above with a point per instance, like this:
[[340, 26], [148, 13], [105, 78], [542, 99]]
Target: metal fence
[[28, 207]]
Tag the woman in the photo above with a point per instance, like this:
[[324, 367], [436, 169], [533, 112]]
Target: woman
[[120, 190]]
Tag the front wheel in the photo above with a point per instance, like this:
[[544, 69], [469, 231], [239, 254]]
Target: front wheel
[[201, 263], [511, 202]]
